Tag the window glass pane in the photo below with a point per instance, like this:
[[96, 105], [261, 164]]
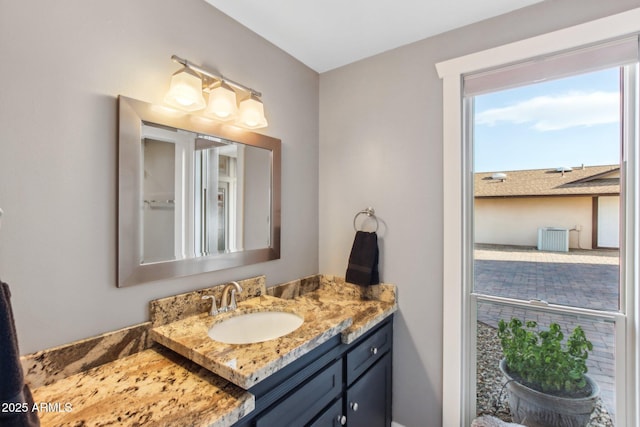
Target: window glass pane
[[578, 278], [490, 381], [546, 225], [547, 191]]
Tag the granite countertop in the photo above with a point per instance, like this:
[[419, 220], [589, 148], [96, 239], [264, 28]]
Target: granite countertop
[[327, 312], [156, 386], [153, 387], [366, 306]]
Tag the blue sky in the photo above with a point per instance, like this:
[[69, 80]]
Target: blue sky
[[564, 122]]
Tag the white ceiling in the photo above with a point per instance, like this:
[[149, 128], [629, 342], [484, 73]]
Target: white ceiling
[[326, 34]]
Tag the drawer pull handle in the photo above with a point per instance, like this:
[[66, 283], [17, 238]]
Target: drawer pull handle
[[342, 420], [354, 406], [374, 350]]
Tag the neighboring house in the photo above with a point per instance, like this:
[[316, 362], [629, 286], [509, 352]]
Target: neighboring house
[[511, 206]]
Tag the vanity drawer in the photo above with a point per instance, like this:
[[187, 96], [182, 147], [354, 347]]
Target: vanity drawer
[[307, 401], [368, 352]]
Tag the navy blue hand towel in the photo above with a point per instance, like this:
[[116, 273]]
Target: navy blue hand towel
[[363, 261], [15, 395]]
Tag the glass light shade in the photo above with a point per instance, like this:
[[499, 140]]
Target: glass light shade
[[222, 103], [251, 114], [185, 91]]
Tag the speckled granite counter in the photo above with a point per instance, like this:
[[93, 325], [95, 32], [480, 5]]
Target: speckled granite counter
[[153, 387], [248, 364], [330, 309], [121, 379], [366, 306]]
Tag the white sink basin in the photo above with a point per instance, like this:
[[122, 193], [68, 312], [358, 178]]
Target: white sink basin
[[255, 327]]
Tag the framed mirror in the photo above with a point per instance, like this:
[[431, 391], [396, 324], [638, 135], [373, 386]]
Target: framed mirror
[[194, 195]]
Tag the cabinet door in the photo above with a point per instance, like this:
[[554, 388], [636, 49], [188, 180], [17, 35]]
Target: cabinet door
[[369, 398], [331, 417], [303, 404]]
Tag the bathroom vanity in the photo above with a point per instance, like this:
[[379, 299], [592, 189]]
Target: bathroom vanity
[[333, 370], [334, 385]]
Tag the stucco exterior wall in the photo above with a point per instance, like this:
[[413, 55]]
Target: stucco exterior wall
[[515, 221]]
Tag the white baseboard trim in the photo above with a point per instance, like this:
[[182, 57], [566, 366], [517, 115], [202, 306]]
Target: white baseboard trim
[[395, 424]]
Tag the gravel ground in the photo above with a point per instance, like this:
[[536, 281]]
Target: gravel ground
[[490, 382]]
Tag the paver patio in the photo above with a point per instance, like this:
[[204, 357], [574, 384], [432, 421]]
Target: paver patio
[[580, 278]]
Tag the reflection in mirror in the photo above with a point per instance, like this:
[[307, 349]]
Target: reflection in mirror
[[194, 195], [202, 195], [159, 200]]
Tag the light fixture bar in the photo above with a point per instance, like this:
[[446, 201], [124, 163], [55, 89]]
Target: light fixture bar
[[214, 76]]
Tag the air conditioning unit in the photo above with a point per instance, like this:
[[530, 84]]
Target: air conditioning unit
[[553, 239]]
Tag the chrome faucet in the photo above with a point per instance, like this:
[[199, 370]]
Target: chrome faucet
[[225, 304]]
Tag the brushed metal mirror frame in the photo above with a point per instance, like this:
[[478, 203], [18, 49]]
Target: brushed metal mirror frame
[[132, 113]]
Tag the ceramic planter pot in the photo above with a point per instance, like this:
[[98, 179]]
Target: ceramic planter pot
[[536, 409]]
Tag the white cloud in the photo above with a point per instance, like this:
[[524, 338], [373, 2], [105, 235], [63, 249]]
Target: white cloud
[[547, 113]]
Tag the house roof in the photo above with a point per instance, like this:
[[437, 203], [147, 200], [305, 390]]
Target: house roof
[[579, 181]]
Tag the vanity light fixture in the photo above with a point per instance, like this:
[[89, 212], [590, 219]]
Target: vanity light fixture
[[185, 91], [223, 104], [251, 113], [188, 84]]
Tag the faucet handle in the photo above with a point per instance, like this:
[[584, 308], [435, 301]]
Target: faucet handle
[[214, 308]]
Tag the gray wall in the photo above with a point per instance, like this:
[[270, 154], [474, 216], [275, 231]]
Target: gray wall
[[380, 146], [63, 65]]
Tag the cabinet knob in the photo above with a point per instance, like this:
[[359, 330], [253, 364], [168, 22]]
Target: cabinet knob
[[354, 406], [342, 420], [374, 350]]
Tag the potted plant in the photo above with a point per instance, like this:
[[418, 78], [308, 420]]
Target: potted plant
[[546, 375]]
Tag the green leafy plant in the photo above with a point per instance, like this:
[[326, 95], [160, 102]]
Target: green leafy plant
[[541, 359]]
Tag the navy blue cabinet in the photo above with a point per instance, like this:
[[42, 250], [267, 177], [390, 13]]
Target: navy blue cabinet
[[333, 416], [298, 408], [368, 404], [332, 386]]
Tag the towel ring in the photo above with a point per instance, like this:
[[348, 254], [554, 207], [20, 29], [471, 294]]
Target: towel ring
[[368, 212]]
